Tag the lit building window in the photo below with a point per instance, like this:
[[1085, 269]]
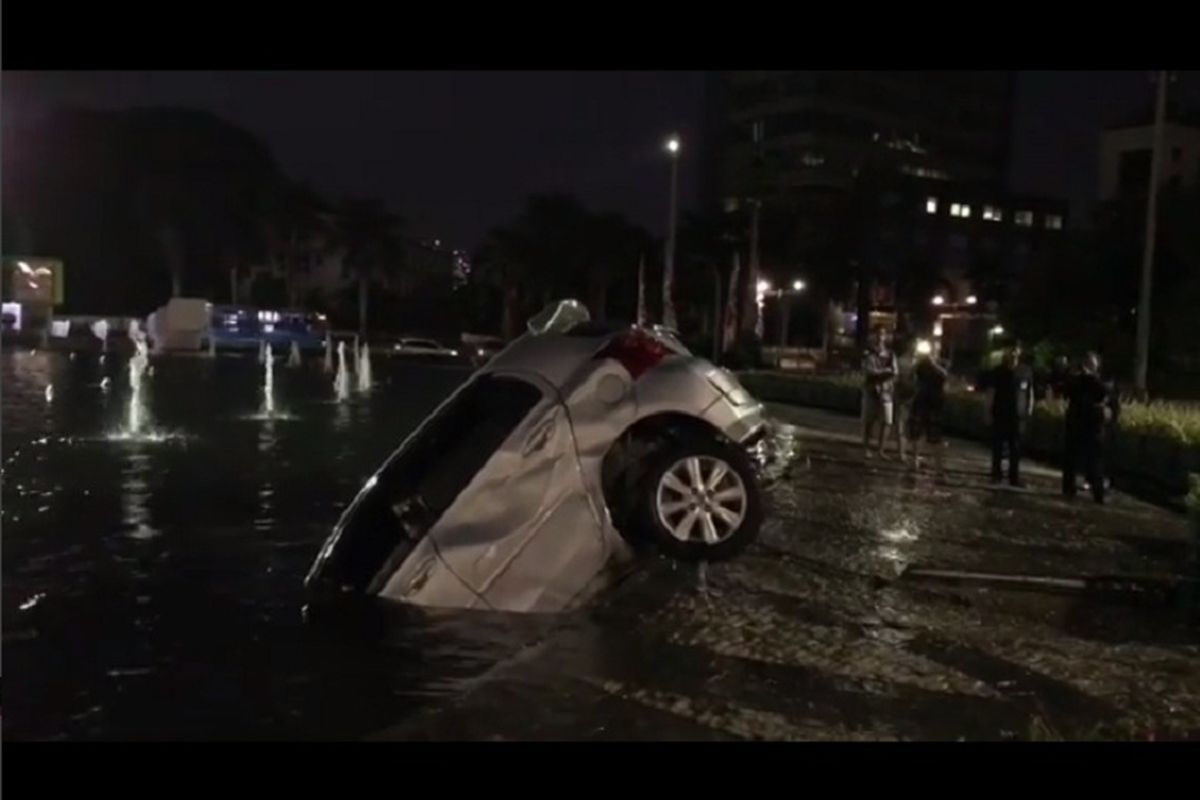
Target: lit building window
[[1054, 222], [993, 213], [960, 210], [931, 205], [1023, 218], [811, 159]]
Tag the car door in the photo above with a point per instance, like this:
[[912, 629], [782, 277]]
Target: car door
[[525, 535]]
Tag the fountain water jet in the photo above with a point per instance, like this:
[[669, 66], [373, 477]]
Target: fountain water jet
[[341, 384], [364, 368], [294, 356], [137, 428], [328, 353], [268, 382], [137, 370]]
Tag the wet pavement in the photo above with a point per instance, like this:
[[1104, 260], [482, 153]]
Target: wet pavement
[[821, 632], [152, 590]]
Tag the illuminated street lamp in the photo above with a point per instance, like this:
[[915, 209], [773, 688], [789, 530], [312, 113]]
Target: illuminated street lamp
[[997, 331], [972, 299], [938, 300], [763, 289], [673, 145]]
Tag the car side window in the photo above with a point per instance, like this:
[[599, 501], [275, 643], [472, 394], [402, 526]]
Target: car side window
[[424, 479]]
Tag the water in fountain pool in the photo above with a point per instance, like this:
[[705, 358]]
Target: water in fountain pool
[[154, 590]]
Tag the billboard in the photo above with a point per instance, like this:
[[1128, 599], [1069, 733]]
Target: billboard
[[33, 279]]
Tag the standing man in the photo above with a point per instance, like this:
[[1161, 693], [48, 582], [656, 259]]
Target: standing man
[[879, 381], [925, 420], [1089, 409], [1012, 403], [904, 394]]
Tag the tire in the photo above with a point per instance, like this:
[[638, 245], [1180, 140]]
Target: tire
[[724, 517]]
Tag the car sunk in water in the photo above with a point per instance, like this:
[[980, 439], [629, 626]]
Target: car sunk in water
[[533, 484]]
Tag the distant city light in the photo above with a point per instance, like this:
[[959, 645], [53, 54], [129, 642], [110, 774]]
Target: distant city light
[[924, 347], [763, 286], [937, 328], [998, 330], [972, 299], [797, 286], [938, 300]]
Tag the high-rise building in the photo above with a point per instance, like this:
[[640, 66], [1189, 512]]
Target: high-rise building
[[793, 130], [886, 188], [1125, 155]]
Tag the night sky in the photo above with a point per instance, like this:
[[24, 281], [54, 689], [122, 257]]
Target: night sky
[[456, 152]]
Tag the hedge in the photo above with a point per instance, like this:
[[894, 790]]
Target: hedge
[[1158, 441]]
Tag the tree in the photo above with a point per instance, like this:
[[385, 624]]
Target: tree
[[296, 234], [152, 201], [556, 247], [372, 246]]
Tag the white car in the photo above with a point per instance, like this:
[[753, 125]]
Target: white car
[[530, 487], [423, 348]]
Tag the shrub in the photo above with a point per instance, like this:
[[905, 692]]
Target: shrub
[[1158, 439]]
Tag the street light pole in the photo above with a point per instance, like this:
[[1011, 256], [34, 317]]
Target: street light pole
[[669, 254], [754, 277], [1142, 364]]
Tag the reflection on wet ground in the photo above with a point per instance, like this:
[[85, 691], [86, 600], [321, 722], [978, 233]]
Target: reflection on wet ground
[[818, 632], [152, 586], [151, 589]]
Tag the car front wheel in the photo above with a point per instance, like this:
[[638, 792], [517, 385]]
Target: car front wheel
[[702, 501]]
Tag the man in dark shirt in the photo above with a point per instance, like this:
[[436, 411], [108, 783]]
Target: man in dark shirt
[[929, 400], [1090, 408], [1012, 403]]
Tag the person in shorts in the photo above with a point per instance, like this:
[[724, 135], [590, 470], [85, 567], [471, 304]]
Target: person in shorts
[[929, 400], [905, 392], [879, 381]]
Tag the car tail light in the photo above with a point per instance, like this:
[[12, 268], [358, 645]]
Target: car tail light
[[636, 351]]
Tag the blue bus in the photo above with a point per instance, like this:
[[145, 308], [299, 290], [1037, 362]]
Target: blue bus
[[243, 327]]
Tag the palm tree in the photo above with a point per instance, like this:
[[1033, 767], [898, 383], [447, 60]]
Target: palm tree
[[556, 247], [503, 264], [296, 234], [369, 237]]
